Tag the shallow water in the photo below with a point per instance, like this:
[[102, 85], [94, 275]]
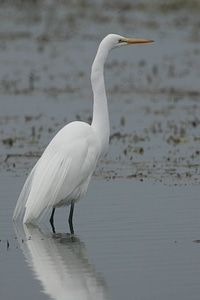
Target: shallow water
[[133, 240], [137, 229]]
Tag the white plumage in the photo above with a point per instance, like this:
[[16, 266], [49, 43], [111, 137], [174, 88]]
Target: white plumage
[[62, 174]]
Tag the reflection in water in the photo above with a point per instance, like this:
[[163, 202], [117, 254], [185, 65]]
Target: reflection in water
[[61, 264]]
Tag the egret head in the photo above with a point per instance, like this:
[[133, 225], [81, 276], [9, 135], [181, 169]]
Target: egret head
[[115, 41]]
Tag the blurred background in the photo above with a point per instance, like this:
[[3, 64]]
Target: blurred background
[[46, 52]]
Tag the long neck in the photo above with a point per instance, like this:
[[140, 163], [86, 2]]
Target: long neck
[[100, 122]]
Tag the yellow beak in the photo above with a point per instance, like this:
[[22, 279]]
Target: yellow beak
[[135, 41]]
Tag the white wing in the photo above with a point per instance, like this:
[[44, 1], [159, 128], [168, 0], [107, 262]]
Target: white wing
[[62, 173], [20, 206]]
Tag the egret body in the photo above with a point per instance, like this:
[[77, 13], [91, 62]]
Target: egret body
[[62, 174]]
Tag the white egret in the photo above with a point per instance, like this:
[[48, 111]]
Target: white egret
[[62, 174]]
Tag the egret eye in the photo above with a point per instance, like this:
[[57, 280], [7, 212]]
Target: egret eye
[[120, 41]]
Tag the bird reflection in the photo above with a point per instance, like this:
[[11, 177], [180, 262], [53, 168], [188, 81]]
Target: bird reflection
[[61, 264]]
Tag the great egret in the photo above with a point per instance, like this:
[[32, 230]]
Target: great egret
[[62, 174]]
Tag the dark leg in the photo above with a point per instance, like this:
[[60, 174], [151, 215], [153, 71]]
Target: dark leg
[[70, 220], [51, 220]]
